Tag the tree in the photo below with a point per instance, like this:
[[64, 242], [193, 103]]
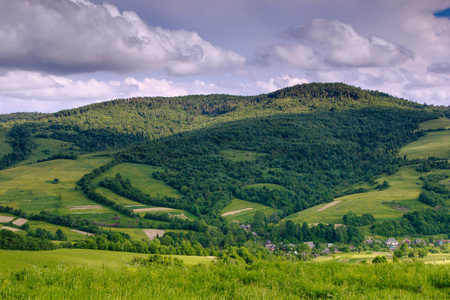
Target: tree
[[379, 260], [398, 253]]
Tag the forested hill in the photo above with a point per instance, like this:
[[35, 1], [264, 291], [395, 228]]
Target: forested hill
[[314, 156], [124, 122]]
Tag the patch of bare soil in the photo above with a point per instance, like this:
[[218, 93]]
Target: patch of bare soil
[[401, 208], [6, 219], [152, 233], [20, 222], [329, 205], [235, 212], [10, 228], [81, 232]]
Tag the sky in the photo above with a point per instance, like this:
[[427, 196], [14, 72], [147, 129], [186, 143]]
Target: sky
[[61, 54]]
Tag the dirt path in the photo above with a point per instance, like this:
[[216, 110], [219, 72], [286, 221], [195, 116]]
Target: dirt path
[[152, 209], [152, 233], [6, 219], [81, 232], [235, 212], [20, 222], [85, 207], [329, 205]]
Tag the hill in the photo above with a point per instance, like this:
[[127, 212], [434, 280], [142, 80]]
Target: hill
[[186, 168]]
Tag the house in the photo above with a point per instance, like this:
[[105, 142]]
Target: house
[[420, 242], [310, 244], [407, 241], [246, 227], [391, 243], [326, 251], [254, 234]]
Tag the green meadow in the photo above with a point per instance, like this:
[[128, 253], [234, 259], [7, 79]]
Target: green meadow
[[141, 177], [97, 275], [391, 203], [46, 148], [245, 216], [13, 260], [33, 188], [441, 123], [432, 144]]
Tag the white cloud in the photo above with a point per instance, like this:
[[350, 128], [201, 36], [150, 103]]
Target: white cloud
[[78, 36], [32, 91], [280, 82], [337, 44]]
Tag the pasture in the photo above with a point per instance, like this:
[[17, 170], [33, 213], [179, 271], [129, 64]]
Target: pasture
[[432, 144], [141, 177], [387, 204], [13, 261], [241, 155], [33, 187]]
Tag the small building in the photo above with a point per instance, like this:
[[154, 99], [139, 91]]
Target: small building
[[407, 241], [310, 244], [420, 242], [326, 251], [391, 243]]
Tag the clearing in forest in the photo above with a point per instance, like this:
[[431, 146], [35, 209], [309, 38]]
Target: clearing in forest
[[152, 233]]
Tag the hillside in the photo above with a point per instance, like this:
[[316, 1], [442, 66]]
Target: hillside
[[178, 175], [119, 123]]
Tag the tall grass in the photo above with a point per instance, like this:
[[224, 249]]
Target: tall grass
[[263, 280]]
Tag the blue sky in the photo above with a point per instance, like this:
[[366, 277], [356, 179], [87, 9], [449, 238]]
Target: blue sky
[[59, 54]]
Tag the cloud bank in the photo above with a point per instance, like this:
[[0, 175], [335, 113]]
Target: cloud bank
[[61, 36]]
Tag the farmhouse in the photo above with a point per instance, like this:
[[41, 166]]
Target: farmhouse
[[391, 243], [310, 244], [420, 242]]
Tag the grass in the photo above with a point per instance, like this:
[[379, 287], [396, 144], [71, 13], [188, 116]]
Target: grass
[[432, 144], [71, 236], [30, 187], [405, 188], [5, 147], [141, 177], [435, 124], [15, 260], [46, 148], [247, 215], [104, 278]]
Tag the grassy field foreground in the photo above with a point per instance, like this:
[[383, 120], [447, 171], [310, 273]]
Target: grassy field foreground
[[262, 280]]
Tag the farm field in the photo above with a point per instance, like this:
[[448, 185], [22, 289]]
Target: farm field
[[245, 216], [13, 261], [33, 188], [141, 177], [355, 258], [404, 190]]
